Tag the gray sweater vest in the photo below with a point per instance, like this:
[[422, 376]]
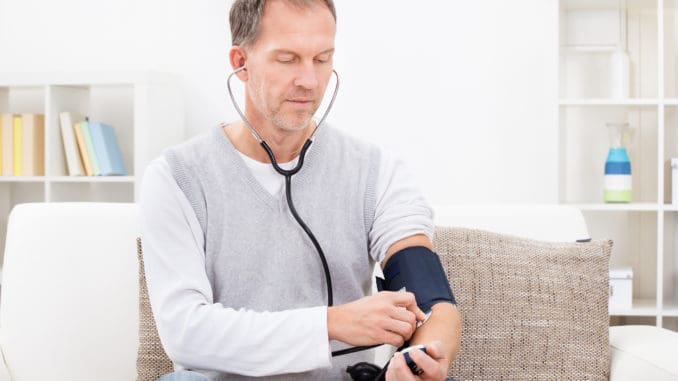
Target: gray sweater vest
[[257, 256]]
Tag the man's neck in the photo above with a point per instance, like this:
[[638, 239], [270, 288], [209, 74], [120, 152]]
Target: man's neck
[[285, 145]]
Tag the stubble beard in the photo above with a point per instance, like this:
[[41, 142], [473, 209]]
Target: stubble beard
[[290, 123]]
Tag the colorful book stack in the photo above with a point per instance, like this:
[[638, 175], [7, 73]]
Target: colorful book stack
[[22, 144], [91, 147]]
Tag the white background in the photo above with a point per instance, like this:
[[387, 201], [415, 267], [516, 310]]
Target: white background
[[466, 91]]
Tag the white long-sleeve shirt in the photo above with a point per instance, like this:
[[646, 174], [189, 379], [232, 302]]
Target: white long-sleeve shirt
[[175, 268]]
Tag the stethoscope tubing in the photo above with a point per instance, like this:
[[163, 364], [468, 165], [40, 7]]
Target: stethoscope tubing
[[289, 173], [288, 189]]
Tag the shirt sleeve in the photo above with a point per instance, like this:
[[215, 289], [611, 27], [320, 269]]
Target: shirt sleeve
[[401, 209], [196, 332]]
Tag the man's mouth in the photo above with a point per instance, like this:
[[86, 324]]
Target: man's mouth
[[302, 103]]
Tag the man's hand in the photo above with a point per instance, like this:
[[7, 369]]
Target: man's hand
[[384, 318], [433, 363]]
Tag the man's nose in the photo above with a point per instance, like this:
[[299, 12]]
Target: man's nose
[[307, 76]]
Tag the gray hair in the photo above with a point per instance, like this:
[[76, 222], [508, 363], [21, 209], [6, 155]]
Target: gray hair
[[245, 16]]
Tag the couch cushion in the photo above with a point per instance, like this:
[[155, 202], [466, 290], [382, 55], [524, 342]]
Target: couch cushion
[[69, 292], [643, 352], [152, 361], [530, 309]]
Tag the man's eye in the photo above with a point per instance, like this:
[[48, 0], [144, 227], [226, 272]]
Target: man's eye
[[286, 59], [322, 60]]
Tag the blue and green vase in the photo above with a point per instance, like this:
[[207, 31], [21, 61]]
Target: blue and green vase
[[617, 176]]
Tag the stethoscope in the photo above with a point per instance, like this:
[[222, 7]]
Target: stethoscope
[[288, 173]]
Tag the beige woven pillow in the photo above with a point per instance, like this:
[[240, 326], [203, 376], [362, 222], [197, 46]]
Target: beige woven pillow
[[152, 361], [531, 310]]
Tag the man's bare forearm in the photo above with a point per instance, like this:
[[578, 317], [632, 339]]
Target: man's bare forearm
[[444, 325]]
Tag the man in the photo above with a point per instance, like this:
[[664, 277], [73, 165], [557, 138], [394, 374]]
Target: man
[[236, 287]]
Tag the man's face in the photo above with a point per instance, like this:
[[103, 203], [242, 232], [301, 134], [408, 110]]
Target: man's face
[[290, 63]]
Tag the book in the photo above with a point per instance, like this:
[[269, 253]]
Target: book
[[82, 149], [33, 144], [6, 134], [16, 145], [84, 129], [73, 161], [107, 149]]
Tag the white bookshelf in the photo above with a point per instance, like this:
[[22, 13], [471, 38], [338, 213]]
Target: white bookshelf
[[145, 109], [645, 231]]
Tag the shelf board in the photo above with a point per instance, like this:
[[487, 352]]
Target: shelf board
[[571, 5], [67, 179], [22, 179], [671, 101], [647, 307], [610, 102], [90, 179], [636, 206], [589, 48], [640, 307], [670, 309]]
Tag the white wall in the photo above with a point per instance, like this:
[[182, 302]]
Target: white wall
[[466, 91]]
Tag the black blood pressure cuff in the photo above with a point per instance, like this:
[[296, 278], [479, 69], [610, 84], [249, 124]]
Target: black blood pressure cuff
[[419, 271]]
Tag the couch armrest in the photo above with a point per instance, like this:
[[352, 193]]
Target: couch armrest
[[643, 353]]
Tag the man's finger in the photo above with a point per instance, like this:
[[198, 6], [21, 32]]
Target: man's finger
[[426, 363], [402, 329], [393, 339], [398, 369], [435, 350], [404, 315], [406, 299]]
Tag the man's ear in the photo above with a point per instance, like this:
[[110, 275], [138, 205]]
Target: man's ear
[[237, 57]]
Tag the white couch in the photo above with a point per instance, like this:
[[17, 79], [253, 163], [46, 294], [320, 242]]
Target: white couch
[[69, 303]]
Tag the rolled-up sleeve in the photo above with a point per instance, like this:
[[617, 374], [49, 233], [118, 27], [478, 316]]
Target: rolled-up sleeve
[[401, 209]]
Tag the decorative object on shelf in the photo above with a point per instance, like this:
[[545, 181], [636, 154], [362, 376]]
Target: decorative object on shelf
[[620, 64], [617, 166], [621, 288]]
